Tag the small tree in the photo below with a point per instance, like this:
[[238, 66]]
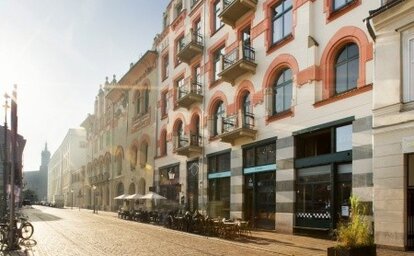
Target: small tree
[[30, 195], [355, 232]]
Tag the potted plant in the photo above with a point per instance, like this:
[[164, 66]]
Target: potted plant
[[354, 236]]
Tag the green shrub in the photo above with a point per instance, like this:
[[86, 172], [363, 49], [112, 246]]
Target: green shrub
[[355, 232]]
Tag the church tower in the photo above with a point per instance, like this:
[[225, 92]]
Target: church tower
[[45, 159]]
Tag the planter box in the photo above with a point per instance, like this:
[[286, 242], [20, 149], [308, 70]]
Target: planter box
[[360, 251]]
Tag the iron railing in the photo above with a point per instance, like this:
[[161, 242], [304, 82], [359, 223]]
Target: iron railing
[[232, 122], [194, 87], [242, 52]]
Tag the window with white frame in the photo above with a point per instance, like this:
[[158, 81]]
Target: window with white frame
[[408, 65]]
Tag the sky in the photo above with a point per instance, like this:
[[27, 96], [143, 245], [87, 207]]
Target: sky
[[59, 52]]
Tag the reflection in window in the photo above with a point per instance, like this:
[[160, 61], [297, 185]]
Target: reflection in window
[[344, 138], [347, 68], [282, 92], [218, 117], [219, 163], [339, 4], [281, 20], [219, 197]]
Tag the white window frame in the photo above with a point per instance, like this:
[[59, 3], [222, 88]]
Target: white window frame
[[407, 65]]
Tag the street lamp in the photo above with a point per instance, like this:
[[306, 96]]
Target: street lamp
[[94, 198], [72, 200]]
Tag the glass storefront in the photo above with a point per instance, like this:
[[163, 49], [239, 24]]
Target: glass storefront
[[259, 171], [169, 182], [218, 166], [323, 177]]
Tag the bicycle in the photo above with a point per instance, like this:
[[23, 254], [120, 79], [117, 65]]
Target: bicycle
[[23, 232]]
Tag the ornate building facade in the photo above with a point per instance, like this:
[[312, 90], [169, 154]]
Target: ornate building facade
[[265, 110], [121, 138]]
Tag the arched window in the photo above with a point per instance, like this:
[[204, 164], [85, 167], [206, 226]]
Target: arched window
[[146, 99], [138, 103], [144, 154], [346, 68], [217, 118], [133, 157], [247, 111], [180, 134], [282, 92], [119, 158]]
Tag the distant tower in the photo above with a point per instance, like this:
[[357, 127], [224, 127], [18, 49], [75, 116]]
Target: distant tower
[[45, 159], [43, 173]]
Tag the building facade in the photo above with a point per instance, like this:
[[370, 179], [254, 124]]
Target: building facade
[[69, 157], [6, 156], [121, 137], [265, 110], [393, 123], [37, 180]]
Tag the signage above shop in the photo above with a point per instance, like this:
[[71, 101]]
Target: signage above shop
[[263, 168]]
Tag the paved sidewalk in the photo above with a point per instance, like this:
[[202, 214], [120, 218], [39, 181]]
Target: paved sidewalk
[[260, 241]]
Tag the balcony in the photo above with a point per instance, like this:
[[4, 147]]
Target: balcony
[[233, 10], [188, 145], [238, 62], [237, 127], [191, 92], [191, 47]]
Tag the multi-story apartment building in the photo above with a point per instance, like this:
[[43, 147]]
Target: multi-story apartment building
[[393, 125], [264, 110], [120, 133], [69, 157]]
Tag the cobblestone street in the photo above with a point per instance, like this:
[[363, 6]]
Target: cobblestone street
[[67, 232]]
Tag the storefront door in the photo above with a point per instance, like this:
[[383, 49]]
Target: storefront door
[[260, 199]]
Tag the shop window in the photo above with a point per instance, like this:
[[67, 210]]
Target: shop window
[[281, 20], [260, 155], [343, 138], [219, 163], [347, 68], [219, 197], [314, 144], [169, 182], [408, 65], [313, 198], [282, 92]]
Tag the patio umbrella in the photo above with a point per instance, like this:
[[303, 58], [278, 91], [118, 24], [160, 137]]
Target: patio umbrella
[[134, 196], [121, 197], [152, 195]]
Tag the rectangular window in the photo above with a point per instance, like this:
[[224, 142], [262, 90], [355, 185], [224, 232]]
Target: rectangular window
[[217, 63], [165, 67], [408, 65], [163, 103], [339, 4], [219, 163], [344, 138], [179, 47], [219, 197], [260, 155], [180, 88], [281, 20], [313, 198], [217, 21], [324, 141]]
